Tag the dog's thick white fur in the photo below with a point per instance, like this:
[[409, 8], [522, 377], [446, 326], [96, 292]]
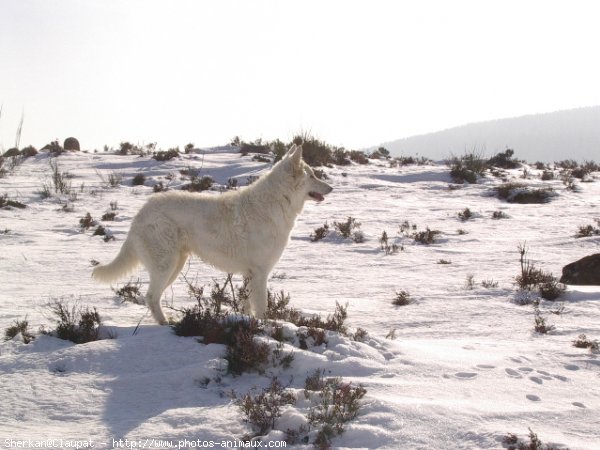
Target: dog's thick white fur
[[241, 232]]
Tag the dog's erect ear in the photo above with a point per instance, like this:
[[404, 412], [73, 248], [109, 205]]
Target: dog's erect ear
[[290, 151], [296, 155]]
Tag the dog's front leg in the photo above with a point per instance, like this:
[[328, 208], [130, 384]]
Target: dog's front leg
[[258, 293]]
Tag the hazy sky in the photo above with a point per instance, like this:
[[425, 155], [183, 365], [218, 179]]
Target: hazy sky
[[354, 73]]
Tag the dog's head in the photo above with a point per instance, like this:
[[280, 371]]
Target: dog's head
[[314, 188]]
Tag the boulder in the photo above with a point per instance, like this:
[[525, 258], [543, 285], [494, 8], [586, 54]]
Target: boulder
[[585, 271], [71, 144]]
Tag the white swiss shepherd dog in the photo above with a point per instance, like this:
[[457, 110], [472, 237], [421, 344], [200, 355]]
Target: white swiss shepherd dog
[[242, 232]]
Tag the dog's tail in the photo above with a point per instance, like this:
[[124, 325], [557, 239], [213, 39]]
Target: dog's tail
[[122, 265]]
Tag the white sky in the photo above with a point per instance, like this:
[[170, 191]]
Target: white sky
[[354, 73]]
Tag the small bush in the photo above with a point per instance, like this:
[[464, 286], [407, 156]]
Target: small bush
[[496, 215], [208, 319], [6, 203], [402, 298], [467, 168], [465, 214], [278, 309], [99, 231], [125, 148], [54, 148], [339, 403], [29, 151], [444, 261], [131, 292], [583, 342], [320, 233], [86, 222], [314, 151], [341, 157], [547, 175], [159, 187], [584, 230], [261, 158], [514, 443], [521, 193], [489, 284], [386, 247], [426, 237], [531, 277], [540, 325], [232, 183], [263, 410], [504, 160], [350, 229], [580, 172], [19, 327], [551, 289], [60, 180], [108, 216], [113, 180], [138, 180], [244, 353], [75, 323], [358, 157], [568, 180], [470, 282], [162, 155], [360, 335], [199, 184]]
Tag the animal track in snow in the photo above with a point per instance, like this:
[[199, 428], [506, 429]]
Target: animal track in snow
[[536, 380], [465, 375], [578, 404], [533, 398], [512, 373], [485, 366]]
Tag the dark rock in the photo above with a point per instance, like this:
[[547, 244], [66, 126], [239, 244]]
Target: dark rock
[[71, 144], [585, 271]]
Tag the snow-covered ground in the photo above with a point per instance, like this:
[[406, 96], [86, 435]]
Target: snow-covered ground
[[465, 367]]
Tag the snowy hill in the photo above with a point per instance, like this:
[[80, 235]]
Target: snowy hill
[[547, 137], [459, 367]]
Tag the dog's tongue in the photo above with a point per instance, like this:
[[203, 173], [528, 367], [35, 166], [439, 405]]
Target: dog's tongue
[[318, 197]]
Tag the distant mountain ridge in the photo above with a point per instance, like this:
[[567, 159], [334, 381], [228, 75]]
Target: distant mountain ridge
[[567, 134]]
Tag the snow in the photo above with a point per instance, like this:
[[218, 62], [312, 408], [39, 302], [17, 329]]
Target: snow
[[465, 367]]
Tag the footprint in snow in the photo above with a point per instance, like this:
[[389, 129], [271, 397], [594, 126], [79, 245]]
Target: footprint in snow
[[512, 373], [485, 366], [571, 367], [533, 398], [560, 377], [544, 375], [525, 369], [578, 404], [536, 380], [465, 375]]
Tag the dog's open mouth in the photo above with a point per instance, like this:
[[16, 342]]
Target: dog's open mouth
[[316, 196]]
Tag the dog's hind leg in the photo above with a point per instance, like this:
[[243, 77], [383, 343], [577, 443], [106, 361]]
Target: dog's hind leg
[[161, 254], [158, 283], [183, 257]]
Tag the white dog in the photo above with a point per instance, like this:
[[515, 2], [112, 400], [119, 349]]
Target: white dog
[[241, 232]]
